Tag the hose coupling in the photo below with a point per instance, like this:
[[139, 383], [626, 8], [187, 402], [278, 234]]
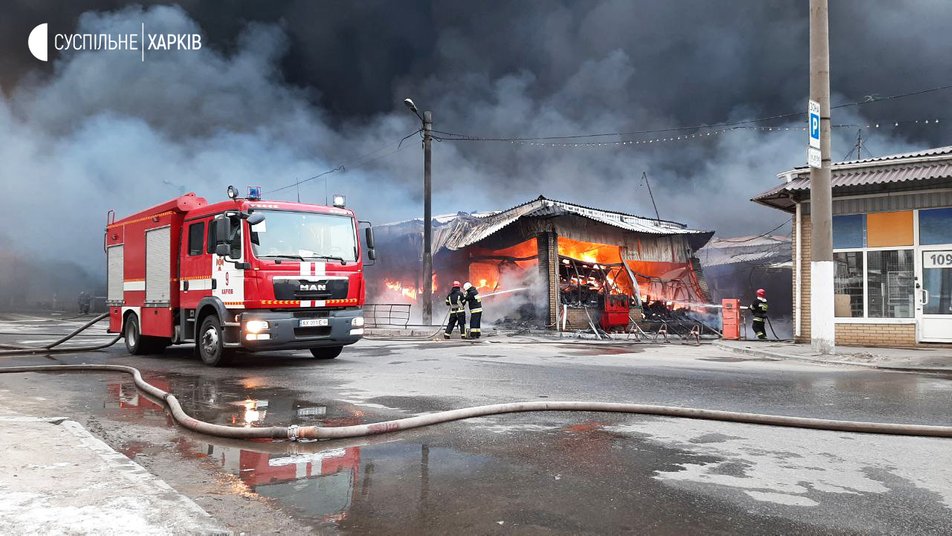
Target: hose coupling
[[293, 432]]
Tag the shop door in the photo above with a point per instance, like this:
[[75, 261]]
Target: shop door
[[934, 294]]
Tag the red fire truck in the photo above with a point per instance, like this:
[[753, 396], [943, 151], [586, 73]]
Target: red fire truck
[[240, 274]]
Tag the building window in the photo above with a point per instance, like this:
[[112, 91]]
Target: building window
[[849, 231], [890, 279], [935, 226], [848, 284]]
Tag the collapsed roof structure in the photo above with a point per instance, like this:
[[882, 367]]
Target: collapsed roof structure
[[558, 255]]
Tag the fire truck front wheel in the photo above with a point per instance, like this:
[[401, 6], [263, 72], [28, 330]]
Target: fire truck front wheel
[[211, 342], [327, 352]]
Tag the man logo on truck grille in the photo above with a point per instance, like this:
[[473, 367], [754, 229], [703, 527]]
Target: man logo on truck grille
[[313, 287]]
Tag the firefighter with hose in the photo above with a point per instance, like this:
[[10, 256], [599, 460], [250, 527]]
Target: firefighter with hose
[[758, 309], [456, 301], [475, 309]]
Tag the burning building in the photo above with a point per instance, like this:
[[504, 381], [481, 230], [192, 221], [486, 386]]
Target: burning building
[[550, 262]]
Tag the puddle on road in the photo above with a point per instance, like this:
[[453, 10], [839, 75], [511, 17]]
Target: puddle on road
[[229, 401], [581, 349], [572, 475]]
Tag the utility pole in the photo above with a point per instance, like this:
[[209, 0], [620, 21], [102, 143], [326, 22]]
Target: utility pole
[[426, 297], [859, 144], [822, 327], [427, 222]]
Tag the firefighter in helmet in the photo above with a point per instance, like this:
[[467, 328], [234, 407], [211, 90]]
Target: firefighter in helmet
[[455, 300], [475, 309], [758, 310]]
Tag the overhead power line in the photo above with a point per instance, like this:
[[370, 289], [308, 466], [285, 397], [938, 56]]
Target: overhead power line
[[453, 136], [358, 162], [752, 238]]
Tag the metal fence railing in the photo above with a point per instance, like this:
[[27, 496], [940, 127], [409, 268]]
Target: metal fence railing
[[386, 314]]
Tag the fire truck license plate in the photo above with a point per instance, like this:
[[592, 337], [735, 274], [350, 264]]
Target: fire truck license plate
[[312, 322]]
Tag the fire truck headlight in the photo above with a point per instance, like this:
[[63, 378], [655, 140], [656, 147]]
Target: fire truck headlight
[[357, 322], [256, 326]]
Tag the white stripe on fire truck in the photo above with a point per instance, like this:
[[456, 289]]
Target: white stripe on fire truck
[[196, 284], [133, 285], [314, 268]]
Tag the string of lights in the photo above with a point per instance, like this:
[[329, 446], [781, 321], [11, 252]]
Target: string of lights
[[697, 135]]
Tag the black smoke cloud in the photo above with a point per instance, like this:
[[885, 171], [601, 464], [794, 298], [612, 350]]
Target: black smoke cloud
[[285, 90]]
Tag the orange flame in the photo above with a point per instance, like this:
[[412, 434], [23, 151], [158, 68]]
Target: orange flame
[[405, 291], [589, 251]]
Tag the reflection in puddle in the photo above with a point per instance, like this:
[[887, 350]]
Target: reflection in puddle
[[317, 485]]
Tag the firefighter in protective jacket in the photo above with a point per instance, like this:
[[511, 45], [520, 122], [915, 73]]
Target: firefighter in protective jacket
[[758, 310], [475, 309], [456, 302]]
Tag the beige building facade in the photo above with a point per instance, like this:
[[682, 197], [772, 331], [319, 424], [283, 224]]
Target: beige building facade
[[892, 248]]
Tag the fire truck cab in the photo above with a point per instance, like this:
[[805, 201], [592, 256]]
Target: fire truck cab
[[240, 274]]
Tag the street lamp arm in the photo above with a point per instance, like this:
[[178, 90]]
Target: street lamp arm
[[413, 108]]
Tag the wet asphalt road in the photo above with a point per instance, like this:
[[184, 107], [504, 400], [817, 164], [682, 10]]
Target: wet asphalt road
[[540, 473]]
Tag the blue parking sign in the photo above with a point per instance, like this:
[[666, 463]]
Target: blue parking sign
[[814, 124]]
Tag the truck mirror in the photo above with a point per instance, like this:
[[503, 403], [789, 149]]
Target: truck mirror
[[369, 235], [255, 218], [372, 254], [222, 230], [223, 250]]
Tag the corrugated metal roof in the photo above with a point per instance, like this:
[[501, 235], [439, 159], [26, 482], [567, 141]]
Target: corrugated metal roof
[[467, 231], [461, 230], [947, 150], [928, 165], [745, 249]]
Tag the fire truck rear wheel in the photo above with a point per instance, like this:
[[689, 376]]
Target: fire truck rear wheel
[[329, 352], [133, 336], [139, 344], [211, 343]]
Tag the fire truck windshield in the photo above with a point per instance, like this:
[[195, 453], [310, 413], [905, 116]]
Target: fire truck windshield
[[304, 235]]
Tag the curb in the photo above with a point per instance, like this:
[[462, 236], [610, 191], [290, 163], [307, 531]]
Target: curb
[[779, 356], [202, 523], [138, 474]]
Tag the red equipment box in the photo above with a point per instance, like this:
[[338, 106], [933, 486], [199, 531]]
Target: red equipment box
[[616, 312], [730, 319]]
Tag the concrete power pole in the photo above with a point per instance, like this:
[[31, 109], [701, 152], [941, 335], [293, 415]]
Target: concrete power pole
[[427, 297], [822, 327]]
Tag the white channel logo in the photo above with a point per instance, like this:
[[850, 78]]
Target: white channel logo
[[39, 42]]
